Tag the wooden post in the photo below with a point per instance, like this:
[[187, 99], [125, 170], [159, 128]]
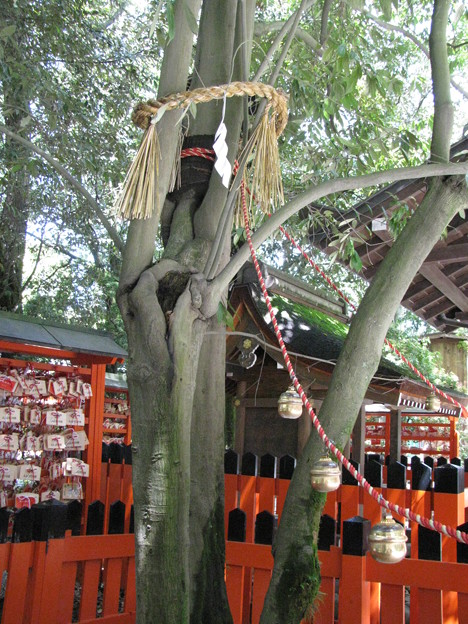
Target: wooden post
[[354, 592], [395, 434], [95, 414], [359, 436], [449, 508], [240, 418]]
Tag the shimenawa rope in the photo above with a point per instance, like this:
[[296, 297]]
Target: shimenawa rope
[[138, 198]]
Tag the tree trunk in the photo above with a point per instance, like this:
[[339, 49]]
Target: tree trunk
[[176, 371], [356, 366]]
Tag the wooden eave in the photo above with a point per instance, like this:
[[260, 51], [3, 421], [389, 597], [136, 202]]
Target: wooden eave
[[313, 374], [439, 291]]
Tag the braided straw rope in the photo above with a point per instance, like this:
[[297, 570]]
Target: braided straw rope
[[277, 100], [139, 196]]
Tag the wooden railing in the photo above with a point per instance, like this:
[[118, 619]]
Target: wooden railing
[[73, 579], [50, 577], [431, 587]]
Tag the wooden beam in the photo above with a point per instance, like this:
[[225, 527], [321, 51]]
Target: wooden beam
[[395, 434], [456, 273], [240, 419], [448, 254], [445, 286]]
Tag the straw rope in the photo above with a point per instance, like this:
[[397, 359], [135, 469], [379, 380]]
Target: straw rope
[[139, 198], [277, 99]]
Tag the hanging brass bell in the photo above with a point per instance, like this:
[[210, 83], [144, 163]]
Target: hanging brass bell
[[325, 475], [290, 404], [387, 541]]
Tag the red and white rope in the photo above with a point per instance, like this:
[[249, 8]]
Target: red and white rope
[[202, 152], [387, 342], [406, 513]]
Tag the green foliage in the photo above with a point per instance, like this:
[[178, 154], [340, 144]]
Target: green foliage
[[71, 71], [224, 316], [407, 333]]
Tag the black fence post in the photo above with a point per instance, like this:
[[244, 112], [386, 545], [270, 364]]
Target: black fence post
[[287, 466], [355, 536], [268, 465], [236, 525], [49, 520], [265, 527]]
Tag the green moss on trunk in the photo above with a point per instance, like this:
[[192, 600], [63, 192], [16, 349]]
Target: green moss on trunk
[[299, 584]]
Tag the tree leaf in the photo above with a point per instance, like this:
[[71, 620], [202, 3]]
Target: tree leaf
[[355, 261], [191, 19], [7, 31], [224, 316]]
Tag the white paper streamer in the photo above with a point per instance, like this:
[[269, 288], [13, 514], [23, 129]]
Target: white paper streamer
[[222, 164]]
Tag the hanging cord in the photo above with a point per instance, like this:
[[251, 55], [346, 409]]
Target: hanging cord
[[387, 342], [377, 496], [209, 155]]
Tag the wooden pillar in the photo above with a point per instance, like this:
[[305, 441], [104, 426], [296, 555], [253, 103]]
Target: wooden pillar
[[354, 590], [454, 439], [240, 418], [395, 434], [95, 419], [359, 437]]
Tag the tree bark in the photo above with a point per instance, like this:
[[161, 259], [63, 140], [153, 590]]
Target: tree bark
[[355, 368], [176, 372]]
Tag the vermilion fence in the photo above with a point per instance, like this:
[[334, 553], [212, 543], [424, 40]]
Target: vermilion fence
[[73, 579], [56, 578], [430, 587]]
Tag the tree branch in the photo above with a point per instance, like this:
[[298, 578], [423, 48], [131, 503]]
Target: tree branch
[[263, 28], [291, 34], [224, 225], [113, 234], [140, 244], [318, 192], [283, 29], [409, 35], [324, 22], [443, 108], [36, 264], [55, 246]]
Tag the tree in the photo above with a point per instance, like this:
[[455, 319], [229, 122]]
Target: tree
[[175, 366], [176, 351], [65, 94]]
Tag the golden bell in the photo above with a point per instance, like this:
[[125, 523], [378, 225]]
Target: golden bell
[[290, 404], [325, 475], [387, 541], [433, 402]]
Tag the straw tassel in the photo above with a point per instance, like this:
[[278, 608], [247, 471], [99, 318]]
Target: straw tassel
[[266, 186], [139, 197]]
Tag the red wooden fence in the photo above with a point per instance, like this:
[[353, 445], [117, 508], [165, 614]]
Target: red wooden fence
[[76, 579], [91, 579], [434, 592]]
